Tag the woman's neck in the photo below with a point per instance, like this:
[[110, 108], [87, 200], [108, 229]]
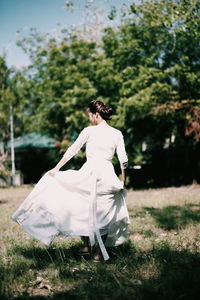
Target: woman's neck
[[102, 122]]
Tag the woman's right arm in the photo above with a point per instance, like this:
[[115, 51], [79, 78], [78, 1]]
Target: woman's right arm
[[122, 156], [124, 176]]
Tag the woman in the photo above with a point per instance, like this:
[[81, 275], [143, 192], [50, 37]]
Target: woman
[[89, 202]]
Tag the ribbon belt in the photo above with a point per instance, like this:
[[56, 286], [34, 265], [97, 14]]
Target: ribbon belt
[[93, 218]]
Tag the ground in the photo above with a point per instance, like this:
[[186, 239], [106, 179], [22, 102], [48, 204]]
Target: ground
[[161, 260]]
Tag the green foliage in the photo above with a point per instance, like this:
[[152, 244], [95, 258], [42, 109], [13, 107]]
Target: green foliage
[[4, 99], [155, 50], [147, 69], [64, 78]]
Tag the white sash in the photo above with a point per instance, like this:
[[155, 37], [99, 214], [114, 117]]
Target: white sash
[[93, 219]]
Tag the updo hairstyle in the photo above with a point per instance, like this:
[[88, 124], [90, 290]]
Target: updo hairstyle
[[96, 106]]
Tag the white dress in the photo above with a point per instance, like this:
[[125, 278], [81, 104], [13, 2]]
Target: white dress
[[90, 201]]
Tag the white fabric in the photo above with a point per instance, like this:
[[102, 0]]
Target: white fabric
[[88, 202]]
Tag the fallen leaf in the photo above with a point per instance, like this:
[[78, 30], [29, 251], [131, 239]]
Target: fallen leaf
[[137, 237]]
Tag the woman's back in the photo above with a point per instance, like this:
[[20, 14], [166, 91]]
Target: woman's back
[[101, 143]]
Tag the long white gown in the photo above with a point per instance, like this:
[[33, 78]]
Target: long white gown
[[90, 201]]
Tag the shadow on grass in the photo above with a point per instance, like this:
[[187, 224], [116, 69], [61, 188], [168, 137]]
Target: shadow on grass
[[175, 217], [64, 260], [178, 278], [42, 257], [129, 275], [3, 201]]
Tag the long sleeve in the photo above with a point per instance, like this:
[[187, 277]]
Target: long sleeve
[[76, 146], [121, 152]]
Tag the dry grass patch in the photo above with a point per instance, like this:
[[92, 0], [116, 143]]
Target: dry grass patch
[[161, 260]]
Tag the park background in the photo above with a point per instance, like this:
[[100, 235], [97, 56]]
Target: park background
[[143, 59]]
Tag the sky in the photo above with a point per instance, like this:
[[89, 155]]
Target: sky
[[44, 15]]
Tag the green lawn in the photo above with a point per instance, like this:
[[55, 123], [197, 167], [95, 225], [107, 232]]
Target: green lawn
[[161, 260]]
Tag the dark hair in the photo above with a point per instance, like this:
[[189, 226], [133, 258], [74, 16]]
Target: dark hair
[[98, 106]]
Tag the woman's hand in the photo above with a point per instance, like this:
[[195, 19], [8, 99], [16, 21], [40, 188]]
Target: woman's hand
[[53, 171], [124, 185], [123, 177]]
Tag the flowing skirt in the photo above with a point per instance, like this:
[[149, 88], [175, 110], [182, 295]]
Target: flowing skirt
[[88, 202]]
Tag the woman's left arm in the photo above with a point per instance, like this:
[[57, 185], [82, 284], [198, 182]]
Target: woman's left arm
[[71, 151], [59, 165]]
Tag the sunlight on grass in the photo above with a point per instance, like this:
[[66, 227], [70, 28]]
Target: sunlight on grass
[[161, 260]]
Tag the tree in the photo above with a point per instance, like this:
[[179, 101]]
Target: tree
[[147, 69], [155, 50], [4, 112]]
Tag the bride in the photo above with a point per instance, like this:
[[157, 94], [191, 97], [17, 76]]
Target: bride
[[89, 202]]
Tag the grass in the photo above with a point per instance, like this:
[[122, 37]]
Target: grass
[[161, 260]]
